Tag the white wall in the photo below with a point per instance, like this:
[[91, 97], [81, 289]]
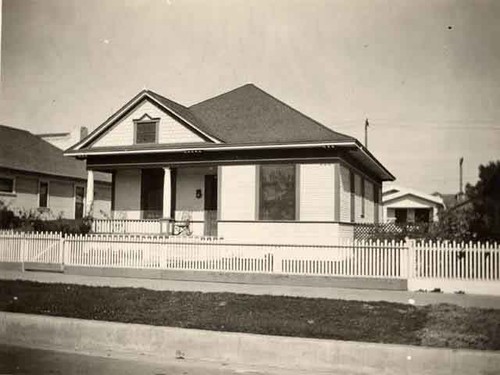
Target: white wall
[[127, 194], [102, 201], [61, 198], [370, 202], [345, 195], [317, 192], [238, 192], [169, 130]]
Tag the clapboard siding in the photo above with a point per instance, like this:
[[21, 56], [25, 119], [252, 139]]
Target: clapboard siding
[[317, 192], [127, 194], [358, 198], [169, 130], [237, 195], [345, 194], [369, 202], [188, 181]]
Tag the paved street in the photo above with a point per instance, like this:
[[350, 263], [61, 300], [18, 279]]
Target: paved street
[[16, 360]]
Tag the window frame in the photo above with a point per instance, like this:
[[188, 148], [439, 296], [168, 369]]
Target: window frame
[[9, 193], [40, 182], [258, 192], [146, 120], [76, 186]]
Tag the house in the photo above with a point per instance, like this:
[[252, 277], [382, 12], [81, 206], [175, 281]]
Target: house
[[405, 205], [36, 176], [242, 165]]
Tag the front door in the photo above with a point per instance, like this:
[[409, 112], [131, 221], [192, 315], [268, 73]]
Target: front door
[[210, 205], [152, 193]]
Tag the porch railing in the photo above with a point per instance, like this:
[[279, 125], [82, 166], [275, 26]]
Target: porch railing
[[145, 226]]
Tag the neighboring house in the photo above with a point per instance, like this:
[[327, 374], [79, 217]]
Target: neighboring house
[[34, 175], [404, 205], [242, 165], [65, 140]]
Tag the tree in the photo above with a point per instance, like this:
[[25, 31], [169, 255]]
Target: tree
[[477, 216], [485, 201]]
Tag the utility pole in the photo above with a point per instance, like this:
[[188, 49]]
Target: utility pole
[[366, 132], [461, 191]]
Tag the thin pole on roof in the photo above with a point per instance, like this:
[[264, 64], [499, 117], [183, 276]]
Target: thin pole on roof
[[366, 132]]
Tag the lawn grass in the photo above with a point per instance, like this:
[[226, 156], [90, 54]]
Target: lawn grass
[[383, 322]]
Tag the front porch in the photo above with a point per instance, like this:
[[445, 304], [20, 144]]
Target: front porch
[[167, 200]]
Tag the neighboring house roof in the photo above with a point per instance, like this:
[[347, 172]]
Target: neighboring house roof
[[23, 151], [452, 200], [392, 192], [250, 115]]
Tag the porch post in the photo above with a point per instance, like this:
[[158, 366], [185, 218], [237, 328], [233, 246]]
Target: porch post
[[167, 193], [89, 201]]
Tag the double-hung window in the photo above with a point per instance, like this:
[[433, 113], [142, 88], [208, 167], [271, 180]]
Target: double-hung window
[[146, 132], [7, 185], [277, 192]]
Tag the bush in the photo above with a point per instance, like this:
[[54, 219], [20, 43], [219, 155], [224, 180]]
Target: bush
[[35, 221], [8, 220], [66, 226]]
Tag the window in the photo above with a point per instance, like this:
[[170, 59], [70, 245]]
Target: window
[[277, 192], [145, 132], [6, 185], [43, 194]]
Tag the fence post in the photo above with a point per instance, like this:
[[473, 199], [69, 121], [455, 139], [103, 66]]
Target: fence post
[[61, 250], [23, 251], [410, 253], [276, 258]]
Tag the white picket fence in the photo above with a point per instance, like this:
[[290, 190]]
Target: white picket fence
[[31, 248], [423, 264], [360, 259]]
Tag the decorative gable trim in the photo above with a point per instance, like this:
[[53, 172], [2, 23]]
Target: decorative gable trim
[[130, 106]]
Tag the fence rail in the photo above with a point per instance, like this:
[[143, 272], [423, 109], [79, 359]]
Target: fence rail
[[347, 258]]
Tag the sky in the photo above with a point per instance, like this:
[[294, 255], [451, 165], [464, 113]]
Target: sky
[[425, 73]]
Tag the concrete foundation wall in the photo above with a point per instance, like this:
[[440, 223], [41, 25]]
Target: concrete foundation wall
[[306, 233]]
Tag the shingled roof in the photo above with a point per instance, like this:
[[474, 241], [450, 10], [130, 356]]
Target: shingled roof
[[250, 115], [23, 151]]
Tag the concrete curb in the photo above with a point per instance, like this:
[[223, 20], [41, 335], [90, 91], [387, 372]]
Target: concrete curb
[[168, 343]]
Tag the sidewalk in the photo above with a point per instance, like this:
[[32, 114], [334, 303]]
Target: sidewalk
[[417, 298]]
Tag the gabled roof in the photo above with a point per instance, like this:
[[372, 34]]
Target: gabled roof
[[20, 150], [166, 104], [250, 115], [244, 118], [392, 192]]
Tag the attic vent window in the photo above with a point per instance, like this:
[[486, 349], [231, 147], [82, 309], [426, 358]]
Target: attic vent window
[[146, 132]]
